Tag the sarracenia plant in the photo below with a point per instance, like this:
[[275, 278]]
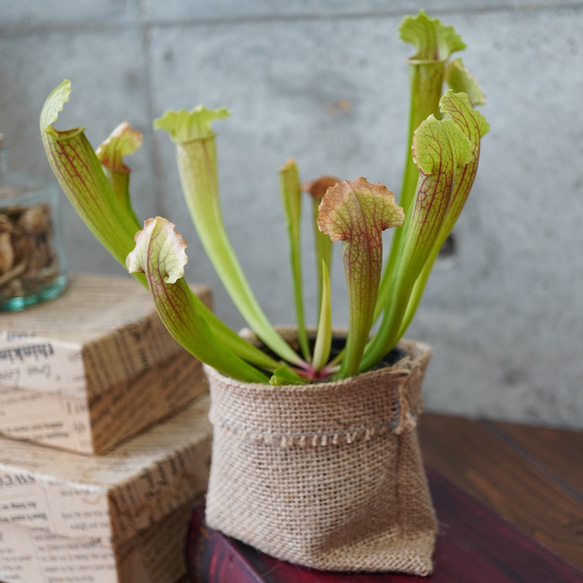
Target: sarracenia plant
[[443, 150]]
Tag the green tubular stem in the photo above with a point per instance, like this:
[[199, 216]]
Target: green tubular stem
[[464, 184], [160, 254], [192, 332], [337, 359], [377, 348], [198, 173], [120, 182], [360, 319], [324, 336], [231, 340], [299, 303], [473, 126], [234, 342], [284, 375], [357, 213], [80, 175], [390, 323], [417, 294], [426, 81], [71, 156], [323, 246], [441, 151], [292, 202]]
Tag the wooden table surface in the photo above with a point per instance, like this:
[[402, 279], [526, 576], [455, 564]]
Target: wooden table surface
[[532, 476]]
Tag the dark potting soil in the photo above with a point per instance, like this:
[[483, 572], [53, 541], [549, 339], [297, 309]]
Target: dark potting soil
[[338, 343]]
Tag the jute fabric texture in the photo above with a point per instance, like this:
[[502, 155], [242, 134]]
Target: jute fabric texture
[[326, 475]]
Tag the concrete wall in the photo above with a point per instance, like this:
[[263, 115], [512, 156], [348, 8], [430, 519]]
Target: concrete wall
[[326, 83]]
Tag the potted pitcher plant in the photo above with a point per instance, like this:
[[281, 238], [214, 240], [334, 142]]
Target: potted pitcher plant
[[315, 452]]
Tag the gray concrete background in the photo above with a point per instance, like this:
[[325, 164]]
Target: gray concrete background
[[327, 83]]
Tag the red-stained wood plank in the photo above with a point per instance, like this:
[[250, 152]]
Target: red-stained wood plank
[[474, 545], [486, 466]]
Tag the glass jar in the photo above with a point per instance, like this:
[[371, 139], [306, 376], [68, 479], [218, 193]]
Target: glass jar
[[32, 261]]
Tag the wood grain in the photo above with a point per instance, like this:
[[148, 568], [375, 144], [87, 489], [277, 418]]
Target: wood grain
[[514, 481], [559, 452]]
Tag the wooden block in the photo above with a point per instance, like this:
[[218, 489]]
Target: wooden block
[[92, 368], [473, 545], [100, 332], [156, 555], [73, 424], [107, 500]]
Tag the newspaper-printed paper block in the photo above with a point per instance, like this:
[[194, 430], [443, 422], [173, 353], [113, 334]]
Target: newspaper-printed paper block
[[107, 500], [94, 427], [100, 332], [156, 555]]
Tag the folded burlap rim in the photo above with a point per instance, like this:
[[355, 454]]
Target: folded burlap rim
[[403, 379]]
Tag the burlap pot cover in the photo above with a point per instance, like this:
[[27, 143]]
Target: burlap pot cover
[[326, 475]]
